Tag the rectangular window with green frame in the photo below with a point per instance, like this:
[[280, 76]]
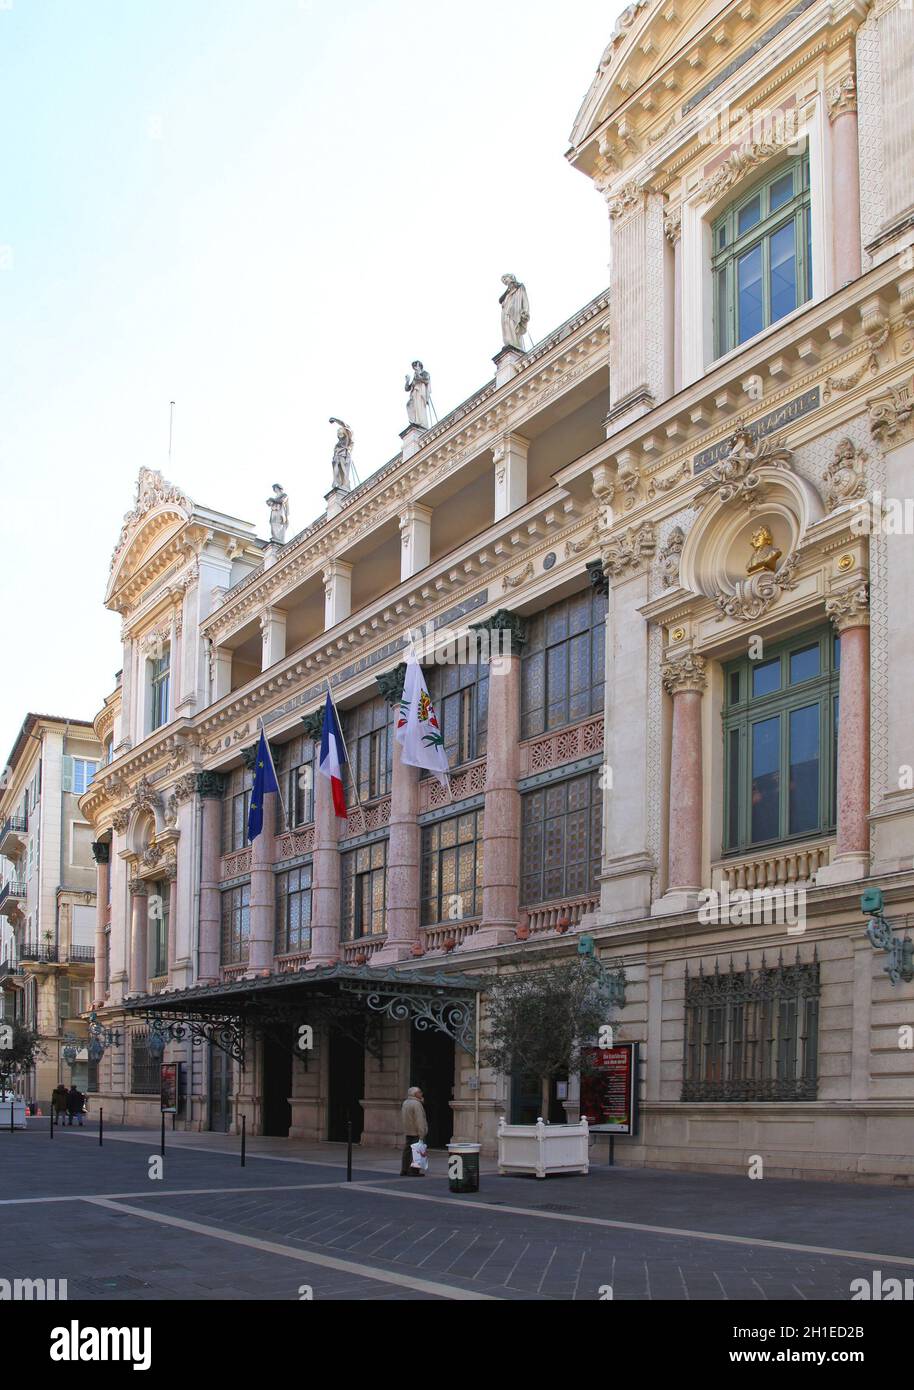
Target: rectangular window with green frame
[[761, 256], [780, 724]]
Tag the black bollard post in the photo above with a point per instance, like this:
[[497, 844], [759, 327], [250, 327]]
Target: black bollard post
[[348, 1149], [163, 1133], [52, 1119], [12, 1115], [101, 1127], [244, 1135]]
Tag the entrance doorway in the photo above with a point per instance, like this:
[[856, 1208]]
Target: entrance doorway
[[277, 1081], [220, 1090], [346, 1087], [432, 1069]]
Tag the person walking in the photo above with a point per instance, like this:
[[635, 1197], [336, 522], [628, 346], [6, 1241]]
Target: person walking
[[76, 1102], [59, 1102], [415, 1127]]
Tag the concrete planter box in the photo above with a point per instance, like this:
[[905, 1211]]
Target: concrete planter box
[[18, 1114], [542, 1148]]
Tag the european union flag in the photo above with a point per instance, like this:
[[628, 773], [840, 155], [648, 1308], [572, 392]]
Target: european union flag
[[264, 781]]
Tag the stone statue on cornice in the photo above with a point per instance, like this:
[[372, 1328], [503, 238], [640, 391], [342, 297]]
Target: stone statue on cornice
[[515, 312], [419, 391], [279, 514], [342, 455]]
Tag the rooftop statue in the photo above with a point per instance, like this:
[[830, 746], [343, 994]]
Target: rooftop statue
[[515, 312], [279, 514], [419, 389], [342, 455]]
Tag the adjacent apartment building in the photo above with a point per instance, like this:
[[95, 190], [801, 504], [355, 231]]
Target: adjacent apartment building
[[47, 898], [686, 516]]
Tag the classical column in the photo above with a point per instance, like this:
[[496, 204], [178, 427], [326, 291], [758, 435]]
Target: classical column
[[415, 539], [263, 887], [510, 457], [325, 866], [849, 611], [101, 853], [684, 679], [501, 817], [638, 310], [842, 112], [403, 847], [221, 666], [273, 637], [672, 226], [210, 787], [627, 863], [139, 936], [337, 593]]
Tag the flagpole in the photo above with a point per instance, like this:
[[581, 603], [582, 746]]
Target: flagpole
[[285, 814], [339, 725]]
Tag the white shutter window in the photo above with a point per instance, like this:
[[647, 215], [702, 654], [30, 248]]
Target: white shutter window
[[67, 783]]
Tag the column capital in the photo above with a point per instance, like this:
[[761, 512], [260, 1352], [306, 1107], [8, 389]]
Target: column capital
[[504, 621], [684, 673], [101, 851], [313, 724], [842, 96], [850, 608], [629, 552], [390, 683], [138, 887], [210, 784]]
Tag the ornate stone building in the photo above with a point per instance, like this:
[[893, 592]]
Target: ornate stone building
[[689, 509]]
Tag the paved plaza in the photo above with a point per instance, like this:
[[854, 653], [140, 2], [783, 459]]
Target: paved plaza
[[288, 1226]]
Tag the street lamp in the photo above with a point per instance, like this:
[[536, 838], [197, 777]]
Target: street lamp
[[900, 965]]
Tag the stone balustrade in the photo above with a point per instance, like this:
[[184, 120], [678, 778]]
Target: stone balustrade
[[237, 862], [158, 983], [366, 947], [290, 961], [469, 781], [291, 843], [234, 972], [548, 916], [362, 819], [433, 938], [777, 868]]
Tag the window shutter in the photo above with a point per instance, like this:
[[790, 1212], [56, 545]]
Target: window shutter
[[67, 785]]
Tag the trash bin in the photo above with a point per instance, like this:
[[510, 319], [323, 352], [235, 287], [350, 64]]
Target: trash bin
[[463, 1167]]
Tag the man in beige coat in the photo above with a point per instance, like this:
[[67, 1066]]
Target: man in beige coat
[[415, 1127]]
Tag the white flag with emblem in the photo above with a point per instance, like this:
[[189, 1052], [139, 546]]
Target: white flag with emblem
[[417, 730]]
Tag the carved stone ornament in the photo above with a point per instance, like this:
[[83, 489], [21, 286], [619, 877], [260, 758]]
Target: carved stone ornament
[[101, 851], [210, 785], [735, 477], [629, 197], [390, 683], [151, 491], [890, 413], [737, 165], [513, 581], [146, 797], [850, 608], [842, 96], [171, 811], [845, 476], [151, 855], [754, 596], [503, 620], [138, 888], [598, 581], [185, 787], [672, 224], [684, 673], [120, 820], [629, 551], [313, 723], [669, 557]]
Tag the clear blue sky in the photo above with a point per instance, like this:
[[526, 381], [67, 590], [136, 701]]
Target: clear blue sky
[[263, 210]]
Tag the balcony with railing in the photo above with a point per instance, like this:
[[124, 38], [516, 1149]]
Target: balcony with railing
[[12, 836], [12, 896], [39, 953]]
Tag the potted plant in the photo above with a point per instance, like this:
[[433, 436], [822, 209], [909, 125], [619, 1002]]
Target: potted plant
[[522, 930], [449, 943], [564, 922], [417, 949], [361, 958]]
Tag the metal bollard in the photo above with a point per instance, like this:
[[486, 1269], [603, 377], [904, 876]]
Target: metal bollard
[[163, 1133], [348, 1150], [244, 1136], [101, 1127]]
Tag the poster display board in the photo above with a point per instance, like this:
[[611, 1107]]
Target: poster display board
[[609, 1089]]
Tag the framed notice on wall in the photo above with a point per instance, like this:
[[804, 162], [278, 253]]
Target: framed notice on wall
[[609, 1088]]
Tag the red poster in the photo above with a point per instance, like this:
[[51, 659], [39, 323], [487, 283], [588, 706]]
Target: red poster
[[608, 1088]]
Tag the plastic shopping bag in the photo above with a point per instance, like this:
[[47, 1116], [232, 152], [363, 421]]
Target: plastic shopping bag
[[420, 1156]]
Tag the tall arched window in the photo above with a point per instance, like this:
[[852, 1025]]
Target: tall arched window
[[762, 256]]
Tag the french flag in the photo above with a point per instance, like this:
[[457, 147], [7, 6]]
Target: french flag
[[332, 757]]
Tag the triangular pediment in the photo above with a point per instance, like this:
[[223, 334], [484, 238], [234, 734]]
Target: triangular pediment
[[647, 35]]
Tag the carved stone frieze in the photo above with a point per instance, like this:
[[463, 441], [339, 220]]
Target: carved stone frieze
[[735, 477], [754, 596], [891, 413], [845, 476], [630, 551], [684, 673], [669, 557]]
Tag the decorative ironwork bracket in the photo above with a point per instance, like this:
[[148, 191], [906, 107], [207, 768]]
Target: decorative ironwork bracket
[[453, 1015], [226, 1032], [900, 964]]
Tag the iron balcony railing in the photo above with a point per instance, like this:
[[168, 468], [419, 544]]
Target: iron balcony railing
[[81, 953], [15, 825], [39, 951], [13, 888]]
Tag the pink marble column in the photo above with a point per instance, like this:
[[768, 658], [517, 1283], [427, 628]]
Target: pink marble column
[[685, 679], [842, 102], [853, 728], [501, 818], [403, 851], [101, 852], [139, 961], [263, 892], [210, 788], [172, 877], [325, 878]]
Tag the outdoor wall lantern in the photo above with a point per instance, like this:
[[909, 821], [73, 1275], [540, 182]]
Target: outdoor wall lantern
[[900, 965]]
